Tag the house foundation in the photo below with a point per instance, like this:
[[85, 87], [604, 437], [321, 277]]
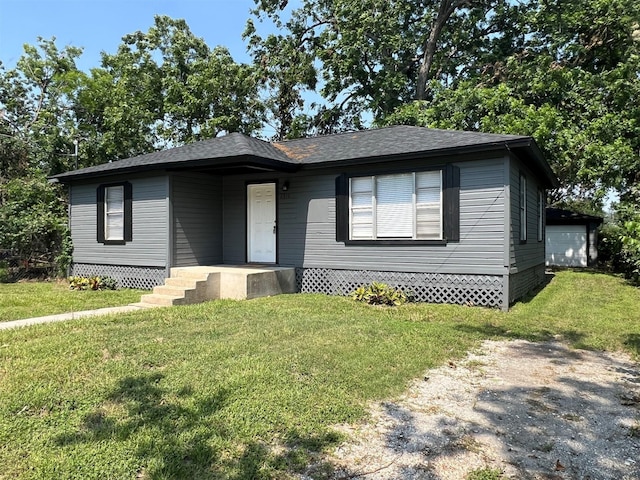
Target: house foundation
[[464, 289]]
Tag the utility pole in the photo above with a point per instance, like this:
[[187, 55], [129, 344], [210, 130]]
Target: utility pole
[[75, 152]]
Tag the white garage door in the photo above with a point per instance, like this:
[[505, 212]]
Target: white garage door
[[567, 245]]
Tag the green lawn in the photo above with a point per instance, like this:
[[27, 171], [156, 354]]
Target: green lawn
[[251, 389], [36, 299]]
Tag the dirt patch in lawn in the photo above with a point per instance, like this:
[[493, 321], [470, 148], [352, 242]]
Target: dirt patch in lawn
[[510, 410]]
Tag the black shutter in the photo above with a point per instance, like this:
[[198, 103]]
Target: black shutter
[[342, 208], [128, 216], [451, 200], [100, 213]]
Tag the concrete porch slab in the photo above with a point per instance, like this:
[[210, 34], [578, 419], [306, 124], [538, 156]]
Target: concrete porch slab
[[241, 282], [209, 282]]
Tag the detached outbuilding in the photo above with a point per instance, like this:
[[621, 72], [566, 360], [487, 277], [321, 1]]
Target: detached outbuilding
[[452, 216], [571, 238]]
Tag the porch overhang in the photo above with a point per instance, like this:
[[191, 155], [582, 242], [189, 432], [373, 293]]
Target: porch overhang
[[235, 165], [212, 166]]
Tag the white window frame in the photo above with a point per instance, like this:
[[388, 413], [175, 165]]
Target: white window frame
[[376, 233], [523, 208], [111, 213], [540, 216]]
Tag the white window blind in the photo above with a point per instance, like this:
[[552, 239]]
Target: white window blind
[[429, 205], [394, 206], [399, 206], [114, 213], [362, 208]]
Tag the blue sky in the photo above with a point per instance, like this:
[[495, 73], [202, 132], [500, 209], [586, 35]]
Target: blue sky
[[98, 25]]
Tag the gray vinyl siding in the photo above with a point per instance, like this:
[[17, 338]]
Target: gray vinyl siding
[[529, 254], [524, 282], [197, 220], [149, 218], [307, 227], [234, 214]]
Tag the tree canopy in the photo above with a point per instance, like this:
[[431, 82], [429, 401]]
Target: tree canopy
[[164, 88], [36, 105], [566, 72], [161, 88]]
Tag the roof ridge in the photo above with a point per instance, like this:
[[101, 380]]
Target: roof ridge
[[248, 139], [250, 144], [350, 132], [398, 127]]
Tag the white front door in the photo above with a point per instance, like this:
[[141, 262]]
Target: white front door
[[261, 223]]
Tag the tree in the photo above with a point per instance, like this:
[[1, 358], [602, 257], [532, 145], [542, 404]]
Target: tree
[[37, 100], [376, 55], [37, 121], [285, 71], [566, 72], [577, 92], [584, 60], [164, 88]]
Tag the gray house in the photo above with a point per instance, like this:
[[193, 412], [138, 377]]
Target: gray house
[[455, 217]]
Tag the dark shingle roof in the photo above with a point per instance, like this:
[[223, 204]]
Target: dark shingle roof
[[390, 141], [559, 216], [230, 146], [384, 143]]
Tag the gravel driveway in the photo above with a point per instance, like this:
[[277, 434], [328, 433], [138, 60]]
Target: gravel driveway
[[527, 410]]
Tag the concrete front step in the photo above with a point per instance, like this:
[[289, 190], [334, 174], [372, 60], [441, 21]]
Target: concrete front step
[[188, 285], [162, 300], [198, 273], [183, 282], [168, 290]]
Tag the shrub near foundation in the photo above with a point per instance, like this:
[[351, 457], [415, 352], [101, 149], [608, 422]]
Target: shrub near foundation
[[380, 294], [92, 283]]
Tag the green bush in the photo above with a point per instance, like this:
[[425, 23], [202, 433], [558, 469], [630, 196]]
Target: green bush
[[64, 258], [108, 283], [33, 224], [379, 294], [619, 249], [4, 272], [631, 250], [92, 283]]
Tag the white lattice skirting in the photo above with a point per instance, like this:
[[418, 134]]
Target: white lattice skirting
[[484, 290], [144, 278]]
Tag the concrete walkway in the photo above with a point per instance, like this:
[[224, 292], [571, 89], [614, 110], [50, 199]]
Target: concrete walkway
[[68, 316]]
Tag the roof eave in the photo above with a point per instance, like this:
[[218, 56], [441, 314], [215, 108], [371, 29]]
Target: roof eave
[[235, 161], [538, 157], [574, 221], [560, 216]]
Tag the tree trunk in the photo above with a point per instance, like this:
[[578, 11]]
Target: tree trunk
[[447, 7]]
